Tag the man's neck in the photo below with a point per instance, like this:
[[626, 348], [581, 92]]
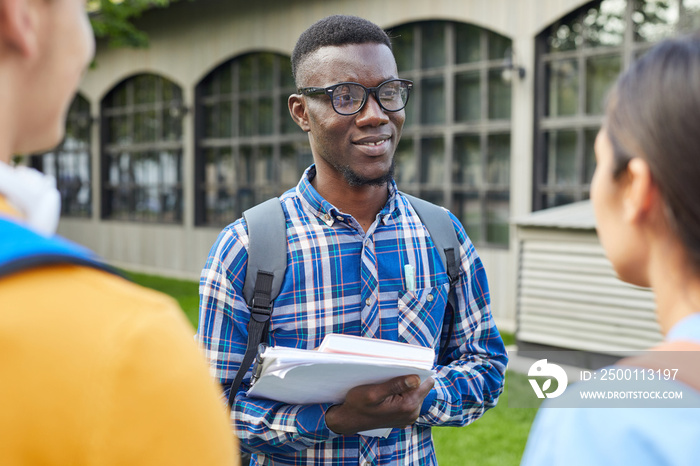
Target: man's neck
[[362, 202]]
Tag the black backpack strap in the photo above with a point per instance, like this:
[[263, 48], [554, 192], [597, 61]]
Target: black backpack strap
[[442, 231], [267, 263]]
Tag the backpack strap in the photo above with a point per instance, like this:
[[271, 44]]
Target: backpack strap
[[267, 263], [439, 225], [23, 249]]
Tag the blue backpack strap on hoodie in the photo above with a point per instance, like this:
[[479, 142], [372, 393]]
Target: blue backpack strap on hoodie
[[23, 249]]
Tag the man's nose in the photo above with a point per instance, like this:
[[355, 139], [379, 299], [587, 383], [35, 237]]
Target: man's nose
[[372, 113]]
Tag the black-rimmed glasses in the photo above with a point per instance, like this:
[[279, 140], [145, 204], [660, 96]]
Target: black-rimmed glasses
[[348, 98]]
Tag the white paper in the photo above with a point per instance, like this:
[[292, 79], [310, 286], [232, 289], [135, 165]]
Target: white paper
[[307, 377]]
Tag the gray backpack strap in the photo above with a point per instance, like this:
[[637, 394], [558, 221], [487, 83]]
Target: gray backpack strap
[[267, 263], [442, 232], [267, 248]]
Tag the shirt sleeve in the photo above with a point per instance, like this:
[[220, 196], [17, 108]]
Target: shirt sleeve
[[261, 425], [471, 371]]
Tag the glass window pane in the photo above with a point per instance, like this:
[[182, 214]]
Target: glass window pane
[[286, 77], [654, 20], [266, 67], [265, 118], [246, 119], [246, 79], [565, 36], [432, 161], [263, 166], [498, 45], [467, 207], [405, 159], [605, 26], [289, 173], [288, 126], [433, 45], [563, 87], [466, 166], [499, 96], [467, 43], [498, 159], [601, 73], [468, 96], [403, 48], [433, 101], [497, 218], [589, 155], [561, 166]]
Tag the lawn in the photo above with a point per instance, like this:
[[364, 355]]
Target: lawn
[[498, 438]]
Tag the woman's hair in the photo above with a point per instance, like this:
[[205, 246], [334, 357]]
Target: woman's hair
[[653, 112]]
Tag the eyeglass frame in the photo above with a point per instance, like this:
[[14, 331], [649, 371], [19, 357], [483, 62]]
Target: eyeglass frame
[[310, 91]]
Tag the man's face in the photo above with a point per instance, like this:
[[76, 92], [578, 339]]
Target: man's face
[[357, 149]]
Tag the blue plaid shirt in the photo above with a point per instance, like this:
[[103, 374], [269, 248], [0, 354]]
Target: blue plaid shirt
[[341, 279]]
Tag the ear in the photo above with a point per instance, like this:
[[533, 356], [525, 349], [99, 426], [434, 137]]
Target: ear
[[297, 109], [18, 26], [641, 195]]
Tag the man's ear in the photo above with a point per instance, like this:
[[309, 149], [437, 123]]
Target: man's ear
[[297, 109], [18, 26], [641, 195]]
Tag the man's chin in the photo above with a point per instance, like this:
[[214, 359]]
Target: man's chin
[[356, 180]]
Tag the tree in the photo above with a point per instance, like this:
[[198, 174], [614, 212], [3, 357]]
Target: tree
[[112, 20]]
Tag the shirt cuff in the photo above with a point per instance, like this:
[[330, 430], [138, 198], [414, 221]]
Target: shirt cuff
[[428, 402], [311, 422]]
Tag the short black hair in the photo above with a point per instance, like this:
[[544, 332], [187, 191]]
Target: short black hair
[[336, 30]]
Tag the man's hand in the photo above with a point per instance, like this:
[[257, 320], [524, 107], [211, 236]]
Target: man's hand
[[395, 403]]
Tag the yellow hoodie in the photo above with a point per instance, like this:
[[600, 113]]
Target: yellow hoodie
[[95, 370]]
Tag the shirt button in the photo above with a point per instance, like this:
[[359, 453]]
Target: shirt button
[[340, 219], [366, 463], [429, 297], [368, 301], [326, 217]]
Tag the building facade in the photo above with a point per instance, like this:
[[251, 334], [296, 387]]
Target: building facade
[[166, 145]]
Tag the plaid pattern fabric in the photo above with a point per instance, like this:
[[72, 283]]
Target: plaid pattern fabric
[[340, 279]]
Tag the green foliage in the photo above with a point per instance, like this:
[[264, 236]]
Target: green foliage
[[112, 20]]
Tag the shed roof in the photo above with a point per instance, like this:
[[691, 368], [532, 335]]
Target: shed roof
[[577, 216]]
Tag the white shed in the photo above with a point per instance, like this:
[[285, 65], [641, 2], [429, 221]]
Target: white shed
[[568, 296]]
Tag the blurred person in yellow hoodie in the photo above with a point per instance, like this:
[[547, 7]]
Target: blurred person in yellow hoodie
[[94, 370]]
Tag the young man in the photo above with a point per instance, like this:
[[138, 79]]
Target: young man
[[94, 370], [349, 234]]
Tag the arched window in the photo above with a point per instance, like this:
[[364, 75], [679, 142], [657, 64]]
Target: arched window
[[578, 60], [70, 163], [455, 147], [248, 148], [142, 151]]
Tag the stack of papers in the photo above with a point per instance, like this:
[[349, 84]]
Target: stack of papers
[[342, 362]]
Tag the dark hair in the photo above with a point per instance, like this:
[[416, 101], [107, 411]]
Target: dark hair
[[334, 31], [653, 112]]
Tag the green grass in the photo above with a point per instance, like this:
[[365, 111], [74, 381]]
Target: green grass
[[185, 292], [498, 438]]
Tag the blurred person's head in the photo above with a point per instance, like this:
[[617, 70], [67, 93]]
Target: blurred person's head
[[648, 155], [45, 46]]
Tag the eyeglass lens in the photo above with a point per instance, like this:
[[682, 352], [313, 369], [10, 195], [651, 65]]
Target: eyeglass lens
[[349, 98]]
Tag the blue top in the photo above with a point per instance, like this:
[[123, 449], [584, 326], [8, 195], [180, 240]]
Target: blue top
[[620, 436]]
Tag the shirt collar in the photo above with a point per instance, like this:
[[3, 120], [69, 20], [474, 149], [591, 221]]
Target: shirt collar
[[328, 213]]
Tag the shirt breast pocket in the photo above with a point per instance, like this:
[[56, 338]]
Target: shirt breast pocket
[[421, 313]]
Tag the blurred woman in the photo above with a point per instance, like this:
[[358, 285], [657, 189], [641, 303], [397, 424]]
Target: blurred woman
[[646, 197]]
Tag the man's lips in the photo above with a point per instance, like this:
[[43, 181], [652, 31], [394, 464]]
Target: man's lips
[[373, 141]]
